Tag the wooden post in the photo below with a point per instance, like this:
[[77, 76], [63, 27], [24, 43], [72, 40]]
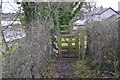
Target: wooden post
[[77, 46], [70, 45], [82, 44], [59, 45]]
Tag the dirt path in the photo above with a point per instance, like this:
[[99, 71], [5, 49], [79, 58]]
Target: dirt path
[[63, 67]]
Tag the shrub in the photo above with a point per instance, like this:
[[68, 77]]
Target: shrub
[[102, 48]]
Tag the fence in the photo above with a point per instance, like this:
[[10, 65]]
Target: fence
[[69, 42]]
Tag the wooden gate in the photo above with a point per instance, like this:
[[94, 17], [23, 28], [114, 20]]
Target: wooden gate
[[70, 43]]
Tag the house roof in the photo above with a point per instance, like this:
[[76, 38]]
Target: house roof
[[79, 22], [8, 16], [112, 17], [118, 12], [99, 11]]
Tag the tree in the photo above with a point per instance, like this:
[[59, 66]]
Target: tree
[[35, 52], [61, 13]]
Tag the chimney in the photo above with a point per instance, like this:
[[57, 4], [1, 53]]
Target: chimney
[[101, 7]]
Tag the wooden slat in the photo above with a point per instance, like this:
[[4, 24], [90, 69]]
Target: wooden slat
[[67, 47], [67, 36], [78, 25], [65, 31], [55, 36], [72, 41], [64, 26], [55, 43], [68, 51], [56, 51], [80, 30], [69, 55]]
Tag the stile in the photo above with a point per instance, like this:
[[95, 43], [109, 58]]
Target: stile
[[74, 40]]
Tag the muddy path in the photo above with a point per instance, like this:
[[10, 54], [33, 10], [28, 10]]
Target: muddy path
[[64, 67]]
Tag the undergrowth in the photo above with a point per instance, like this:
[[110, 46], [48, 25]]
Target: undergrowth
[[81, 70], [47, 71]]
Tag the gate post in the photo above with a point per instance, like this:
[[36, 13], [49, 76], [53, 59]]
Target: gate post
[[82, 46], [59, 45]]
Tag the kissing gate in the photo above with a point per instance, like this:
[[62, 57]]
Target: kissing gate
[[70, 43]]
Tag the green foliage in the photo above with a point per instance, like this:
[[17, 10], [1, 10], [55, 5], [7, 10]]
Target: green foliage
[[66, 13], [30, 12], [62, 13]]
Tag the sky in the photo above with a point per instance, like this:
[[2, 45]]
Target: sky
[[8, 6], [12, 7], [108, 3]]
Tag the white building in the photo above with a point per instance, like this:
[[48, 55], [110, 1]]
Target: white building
[[100, 14], [79, 24]]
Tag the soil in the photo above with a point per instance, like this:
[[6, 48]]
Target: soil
[[63, 67]]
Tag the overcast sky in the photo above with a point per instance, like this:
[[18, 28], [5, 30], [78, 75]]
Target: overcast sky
[[109, 3], [11, 7]]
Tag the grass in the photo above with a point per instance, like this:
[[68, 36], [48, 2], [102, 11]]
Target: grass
[[11, 49], [0, 53], [11, 43], [81, 70], [0, 38]]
